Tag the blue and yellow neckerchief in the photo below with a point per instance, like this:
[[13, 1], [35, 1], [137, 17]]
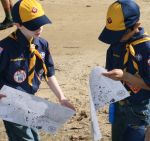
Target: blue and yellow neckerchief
[[131, 52]]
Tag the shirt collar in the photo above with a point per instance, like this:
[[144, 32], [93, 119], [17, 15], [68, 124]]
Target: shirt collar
[[23, 42], [36, 41], [120, 45]]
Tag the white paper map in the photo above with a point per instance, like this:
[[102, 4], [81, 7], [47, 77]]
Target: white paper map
[[28, 110], [102, 91], [96, 133], [105, 90]]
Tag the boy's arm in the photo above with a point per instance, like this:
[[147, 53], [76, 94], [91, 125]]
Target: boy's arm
[[118, 74], [147, 134], [54, 86], [135, 81], [52, 81]]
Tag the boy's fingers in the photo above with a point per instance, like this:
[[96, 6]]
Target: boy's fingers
[[110, 75], [1, 96], [67, 104], [105, 73]]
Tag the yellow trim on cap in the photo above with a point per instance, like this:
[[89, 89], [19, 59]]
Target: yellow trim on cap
[[115, 18], [29, 10]]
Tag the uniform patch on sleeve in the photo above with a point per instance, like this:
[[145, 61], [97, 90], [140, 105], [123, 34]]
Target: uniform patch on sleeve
[[1, 50]]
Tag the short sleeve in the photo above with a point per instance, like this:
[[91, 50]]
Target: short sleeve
[[108, 59], [49, 62]]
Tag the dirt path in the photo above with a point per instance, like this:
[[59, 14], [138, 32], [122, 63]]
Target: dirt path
[[76, 50]]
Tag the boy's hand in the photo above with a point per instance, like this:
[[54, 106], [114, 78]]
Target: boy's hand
[[66, 103], [115, 74], [1, 96]]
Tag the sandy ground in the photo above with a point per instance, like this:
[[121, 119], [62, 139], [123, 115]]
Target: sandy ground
[[76, 50]]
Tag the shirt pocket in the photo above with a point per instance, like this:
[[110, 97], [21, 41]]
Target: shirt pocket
[[116, 60], [17, 70]]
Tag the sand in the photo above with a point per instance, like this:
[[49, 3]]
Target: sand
[[73, 39]]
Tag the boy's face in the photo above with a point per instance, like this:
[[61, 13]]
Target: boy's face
[[29, 34], [131, 32]]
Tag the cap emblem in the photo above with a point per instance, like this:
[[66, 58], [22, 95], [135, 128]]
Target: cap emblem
[[34, 10], [109, 20]]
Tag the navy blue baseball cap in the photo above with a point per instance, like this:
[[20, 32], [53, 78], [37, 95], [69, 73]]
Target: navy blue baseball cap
[[30, 14], [121, 15]]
